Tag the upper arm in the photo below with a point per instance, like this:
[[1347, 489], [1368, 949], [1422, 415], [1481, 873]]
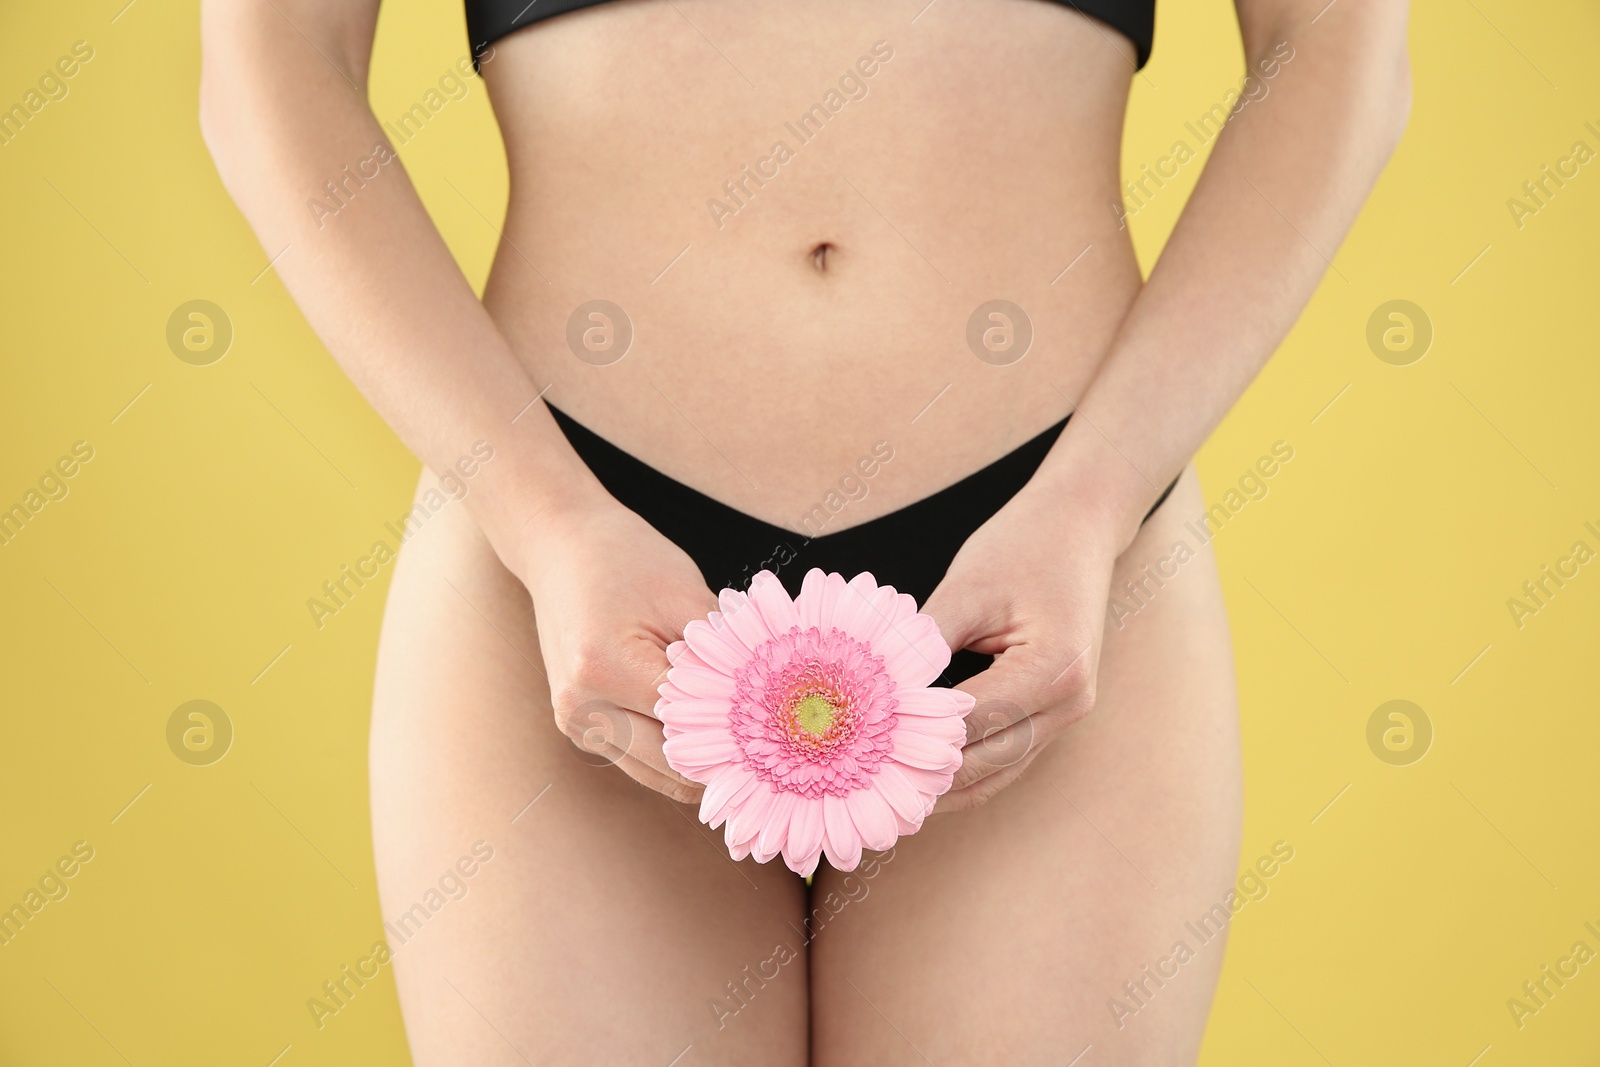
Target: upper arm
[[1374, 27], [288, 65], [339, 31], [1362, 44]]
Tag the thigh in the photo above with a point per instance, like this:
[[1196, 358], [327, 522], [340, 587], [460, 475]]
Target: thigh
[[540, 908], [1009, 933]]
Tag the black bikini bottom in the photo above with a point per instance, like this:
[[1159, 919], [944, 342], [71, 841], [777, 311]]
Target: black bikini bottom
[[909, 548]]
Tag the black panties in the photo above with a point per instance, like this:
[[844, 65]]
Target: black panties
[[909, 548]]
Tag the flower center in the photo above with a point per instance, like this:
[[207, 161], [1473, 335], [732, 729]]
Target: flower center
[[814, 714]]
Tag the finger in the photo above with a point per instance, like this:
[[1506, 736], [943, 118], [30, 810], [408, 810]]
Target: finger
[[964, 619], [605, 733], [673, 787], [636, 680], [673, 617], [985, 789], [997, 752], [1024, 680]]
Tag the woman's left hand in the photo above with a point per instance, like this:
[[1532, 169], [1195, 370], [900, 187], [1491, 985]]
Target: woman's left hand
[[1030, 586]]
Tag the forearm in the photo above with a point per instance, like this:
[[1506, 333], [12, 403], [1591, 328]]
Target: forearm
[[375, 280], [1281, 189]]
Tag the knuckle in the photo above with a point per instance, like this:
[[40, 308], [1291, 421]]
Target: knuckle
[[1077, 678], [598, 728], [1083, 703], [591, 666], [564, 705]]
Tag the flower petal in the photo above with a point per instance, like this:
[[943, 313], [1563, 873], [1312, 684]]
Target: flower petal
[[724, 789], [948, 729], [832, 593], [693, 753], [743, 621], [914, 652], [804, 846], [772, 601], [864, 608], [928, 783], [746, 819], [716, 645], [933, 703], [873, 818], [701, 680], [809, 603], [909, 803], [689, 712], [916, 749], [842, 841], [775, 831]]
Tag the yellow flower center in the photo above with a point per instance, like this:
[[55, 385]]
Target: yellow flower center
[[814, 714]]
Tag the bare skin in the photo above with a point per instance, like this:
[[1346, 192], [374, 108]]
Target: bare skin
[[772, 348], [609, 921]]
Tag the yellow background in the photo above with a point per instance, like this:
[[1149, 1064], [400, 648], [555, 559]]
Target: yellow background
[[1378, 567]]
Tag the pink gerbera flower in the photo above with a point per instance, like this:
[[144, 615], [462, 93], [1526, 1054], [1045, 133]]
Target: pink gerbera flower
[[810, 721]]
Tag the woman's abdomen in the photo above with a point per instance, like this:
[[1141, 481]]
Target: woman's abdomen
[[752, 244]]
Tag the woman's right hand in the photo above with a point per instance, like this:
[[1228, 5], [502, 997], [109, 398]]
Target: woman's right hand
[[609, 594]]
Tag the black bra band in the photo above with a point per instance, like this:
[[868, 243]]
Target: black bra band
[[490, 20]]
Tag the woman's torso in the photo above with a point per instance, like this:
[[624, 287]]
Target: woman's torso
[[976, 162]]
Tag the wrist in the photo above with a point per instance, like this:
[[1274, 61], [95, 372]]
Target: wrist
[[1099, 483], [533, 505]]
